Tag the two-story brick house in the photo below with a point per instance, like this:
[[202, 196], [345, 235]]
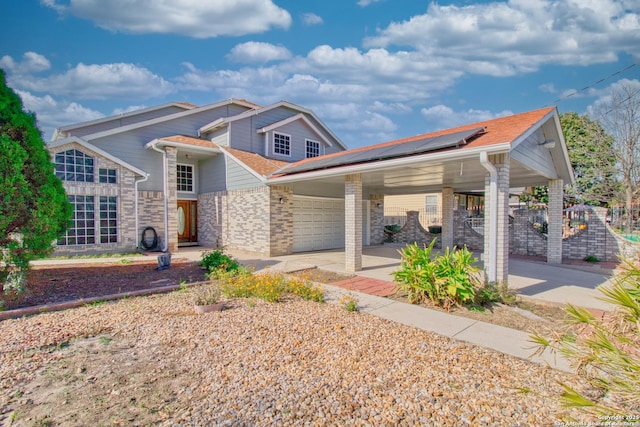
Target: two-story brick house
[[193, 174]]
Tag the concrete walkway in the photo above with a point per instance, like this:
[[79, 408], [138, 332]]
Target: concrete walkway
[[555, 284]]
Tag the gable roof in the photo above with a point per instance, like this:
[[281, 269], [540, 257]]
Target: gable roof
[[254, 162], [62, 129], [225, 121], [76, 140], [500, 134], [150, 122]]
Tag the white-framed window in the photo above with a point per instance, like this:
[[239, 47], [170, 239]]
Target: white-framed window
[[185, 178], [312, 148], [281, 144], [432, 206], [107, 176], [83, 228], [74, 165], [108, 211]]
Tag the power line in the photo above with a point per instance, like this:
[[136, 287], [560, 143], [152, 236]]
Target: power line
[[574, 93]]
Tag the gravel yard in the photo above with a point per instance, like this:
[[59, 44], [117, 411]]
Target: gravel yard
[[153, 361]]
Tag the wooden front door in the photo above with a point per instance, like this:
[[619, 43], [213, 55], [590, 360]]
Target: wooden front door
[[187, 221]]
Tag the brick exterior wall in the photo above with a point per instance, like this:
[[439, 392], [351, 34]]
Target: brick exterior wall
[[151, 214], [353, 222], [524, 239], [210, 218], [554, 211], [280, 220], [246, 220], [448, 203], [123, 189], [376, 219], [413, 232], [463, 234], [503, 164], [172, 199]]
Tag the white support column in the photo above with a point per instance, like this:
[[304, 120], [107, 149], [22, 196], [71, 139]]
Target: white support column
[[502, 163], [496, 217], [554, 226], [353, 223], [448, 205]]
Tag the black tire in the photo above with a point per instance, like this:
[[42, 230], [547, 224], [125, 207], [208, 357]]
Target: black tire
[[149, 238]]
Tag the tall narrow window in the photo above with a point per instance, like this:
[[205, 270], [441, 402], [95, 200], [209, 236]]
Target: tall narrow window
[[282, 144], [431, 205], [313, 149], [185, 178], [83, 229], [108, 219], [74, 165]]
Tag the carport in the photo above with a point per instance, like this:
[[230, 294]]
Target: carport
[[521, 150]]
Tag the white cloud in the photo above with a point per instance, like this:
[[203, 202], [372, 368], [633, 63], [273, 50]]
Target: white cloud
[[394, 107], [311, 19], [548, 88], [99, 81], [602, 105], [518, 36], [258, 52], [193, 18], [443, 117], [128, 109], [365, 3], [51, 113], [31, 63]]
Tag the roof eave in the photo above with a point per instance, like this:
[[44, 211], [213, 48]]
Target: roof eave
[[387, 164]]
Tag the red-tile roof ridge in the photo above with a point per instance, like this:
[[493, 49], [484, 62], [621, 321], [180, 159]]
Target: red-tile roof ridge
[[499, 130], [190, 140], [258, 163]]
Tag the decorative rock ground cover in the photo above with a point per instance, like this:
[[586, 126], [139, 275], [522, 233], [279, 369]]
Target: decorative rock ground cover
[[153, 361]]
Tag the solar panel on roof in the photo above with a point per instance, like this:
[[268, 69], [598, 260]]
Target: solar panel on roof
[[388, 152]]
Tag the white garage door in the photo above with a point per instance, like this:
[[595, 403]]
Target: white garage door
[[318, 223]]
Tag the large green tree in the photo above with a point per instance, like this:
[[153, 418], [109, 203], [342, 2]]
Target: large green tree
[[592, 158], [34, 210]]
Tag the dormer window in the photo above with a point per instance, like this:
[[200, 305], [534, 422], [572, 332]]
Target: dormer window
[[282, 144], [312, 149]]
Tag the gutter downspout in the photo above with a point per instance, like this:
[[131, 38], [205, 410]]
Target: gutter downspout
[[165, 195], [493, 215], [135, 186]]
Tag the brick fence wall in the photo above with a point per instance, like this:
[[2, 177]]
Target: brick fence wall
[[597, 239]]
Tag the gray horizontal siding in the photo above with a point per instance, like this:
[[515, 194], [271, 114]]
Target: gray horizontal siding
[[239, 178], [244, 135], [219, 137], [212, 175], [129, 146], [119, 121]]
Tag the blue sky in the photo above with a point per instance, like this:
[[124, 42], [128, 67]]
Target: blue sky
[[372, 70]]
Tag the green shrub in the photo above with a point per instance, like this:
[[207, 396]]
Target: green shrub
[[495, 292], [218, 263], [591, 258], [447, 280], [606, 350]]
